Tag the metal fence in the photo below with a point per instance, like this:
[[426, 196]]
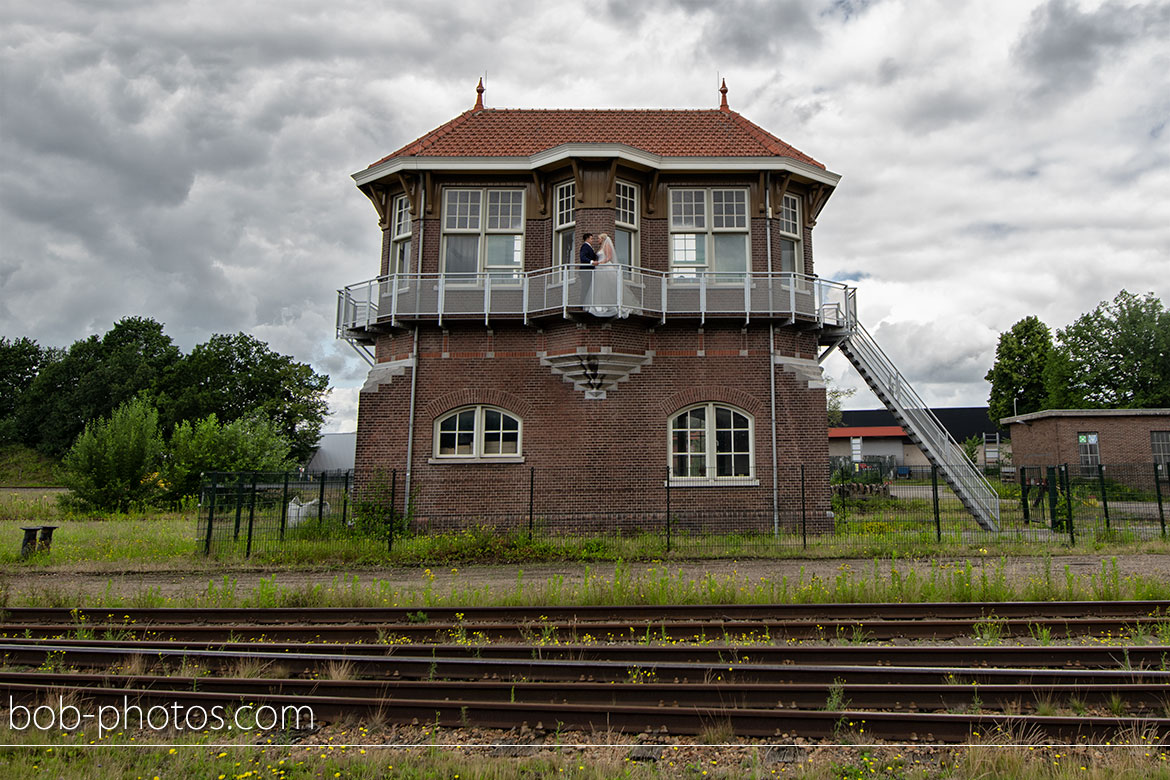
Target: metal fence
[[875, 507]]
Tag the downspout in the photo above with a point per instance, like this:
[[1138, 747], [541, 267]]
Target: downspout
[[772, 355], [414, 365]]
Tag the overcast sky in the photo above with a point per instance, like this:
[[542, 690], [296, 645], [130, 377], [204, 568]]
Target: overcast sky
[[191, 162]]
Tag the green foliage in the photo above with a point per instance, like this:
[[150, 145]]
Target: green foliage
[[971, 447], [21, 360], [246, 444], [833, 398], [1116, 356], [114, 463], [22, 466], [238, 376], [90, 380], [1017, 377]]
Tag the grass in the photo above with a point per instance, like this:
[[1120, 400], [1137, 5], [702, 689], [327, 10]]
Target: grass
[[22, 466]]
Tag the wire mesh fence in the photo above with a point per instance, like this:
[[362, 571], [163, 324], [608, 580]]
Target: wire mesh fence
[[836, 507]]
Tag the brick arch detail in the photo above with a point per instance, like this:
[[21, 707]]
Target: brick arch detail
[[470, 396], [704, 393]]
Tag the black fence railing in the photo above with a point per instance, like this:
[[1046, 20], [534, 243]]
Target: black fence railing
[[837, 506]]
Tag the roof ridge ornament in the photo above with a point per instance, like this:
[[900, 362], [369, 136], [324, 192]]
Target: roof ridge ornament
[[723, 97], [479, 90]]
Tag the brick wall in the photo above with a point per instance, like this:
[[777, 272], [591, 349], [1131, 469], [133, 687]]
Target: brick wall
[[603, 456]]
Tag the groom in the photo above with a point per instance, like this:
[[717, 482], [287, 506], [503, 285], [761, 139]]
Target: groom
[[588, 260]]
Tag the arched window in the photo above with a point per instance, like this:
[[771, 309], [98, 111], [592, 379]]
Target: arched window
[[711, 441], [477, 432]]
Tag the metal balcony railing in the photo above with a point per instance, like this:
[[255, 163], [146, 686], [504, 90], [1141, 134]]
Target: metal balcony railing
[[389, 300]]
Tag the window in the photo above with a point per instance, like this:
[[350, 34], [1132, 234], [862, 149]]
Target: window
[[477, 432], [711, 442], [478, 242], [626, 224], [709, 233], [1160, 445], [1087, 449], [791, 257], [400, 236], [566, 220]]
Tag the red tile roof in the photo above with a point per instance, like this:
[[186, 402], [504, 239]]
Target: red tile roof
[[509, 132], [866, 432]]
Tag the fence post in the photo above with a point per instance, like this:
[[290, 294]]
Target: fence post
[[531, 497], [344, 496], [211, 513], [1072, 539], [1021, 475], [668, 508], [393, 488], [321, 499], [934, 493], [239, 506], [803, 513], [251, 516], [1054, 523], [1104, 496], [1158, 492], [284, 507]]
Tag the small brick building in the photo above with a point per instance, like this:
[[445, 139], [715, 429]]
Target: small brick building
[[494, 370], [1088, 437]]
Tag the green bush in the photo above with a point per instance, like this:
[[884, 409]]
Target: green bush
[[247, 444], [113, 464]]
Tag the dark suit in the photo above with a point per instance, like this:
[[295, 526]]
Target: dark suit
[[588, 256]]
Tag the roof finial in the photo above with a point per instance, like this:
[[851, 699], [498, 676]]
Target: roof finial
[[479, 95], [723, 93]]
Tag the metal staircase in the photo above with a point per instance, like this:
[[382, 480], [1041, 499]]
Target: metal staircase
[[920, 424]]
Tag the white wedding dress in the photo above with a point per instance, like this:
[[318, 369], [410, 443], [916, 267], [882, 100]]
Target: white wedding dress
[[607, 276]]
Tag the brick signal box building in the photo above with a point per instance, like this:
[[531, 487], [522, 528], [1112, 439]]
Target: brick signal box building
[[494, 361]]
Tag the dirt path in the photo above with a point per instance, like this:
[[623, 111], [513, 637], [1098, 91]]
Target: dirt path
[[501, 578]]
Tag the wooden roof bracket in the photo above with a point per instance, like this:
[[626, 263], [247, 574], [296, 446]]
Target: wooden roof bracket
[[611, 182], [429, 190], [539, 187], [578, 185], [781, 182], [378, 198], [411, 190], [761, 189], [815, 200], [651, 193]]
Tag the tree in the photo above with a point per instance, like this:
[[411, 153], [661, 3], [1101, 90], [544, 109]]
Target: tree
[[1017, 377], [1116, 356], [90, 380], [20, 361], [247, 444], [114, 463], [238, 376], [833, 398]]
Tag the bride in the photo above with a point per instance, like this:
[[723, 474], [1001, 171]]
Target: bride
[[607, 276]]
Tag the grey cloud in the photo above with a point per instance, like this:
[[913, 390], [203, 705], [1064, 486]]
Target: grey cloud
[[1063, 48]]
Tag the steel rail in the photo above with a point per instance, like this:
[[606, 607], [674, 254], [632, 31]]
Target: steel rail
[[664, 630], [562, 666], [897, 693], [749, 722], [1136, 657], [726, 612]]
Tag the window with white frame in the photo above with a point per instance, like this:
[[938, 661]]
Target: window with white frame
[[791, 257], [709, 233], [477, 432], [565, 202], [483, 231], [1160, 447], [400, 236], [1087, 448], [626, 224], [710, 442]]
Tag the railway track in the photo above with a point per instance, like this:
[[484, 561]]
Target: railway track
[[493, 668]]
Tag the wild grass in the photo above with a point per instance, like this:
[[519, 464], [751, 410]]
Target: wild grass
[[885, 581]]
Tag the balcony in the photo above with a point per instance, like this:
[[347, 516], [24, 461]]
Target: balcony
[[400, 300]]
